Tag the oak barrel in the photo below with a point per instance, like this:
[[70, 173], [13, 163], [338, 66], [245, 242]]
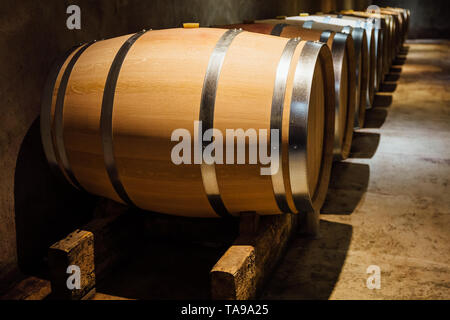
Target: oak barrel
[[385, 24], [406, 14], [344, 66], [375, 35], [361, 58], [110, 110], [370, 38], [397, 26]]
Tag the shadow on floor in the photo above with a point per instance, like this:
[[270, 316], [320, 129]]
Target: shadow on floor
[[382, 100], [395, 69], [162, 270], [348, 184], [392, 77], [375, 118], [404, 50], [46, 210], [399, 60], [388, 86], [311, 268], [364, 145]]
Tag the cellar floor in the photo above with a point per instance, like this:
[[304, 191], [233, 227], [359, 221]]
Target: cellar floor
[[389, 204]]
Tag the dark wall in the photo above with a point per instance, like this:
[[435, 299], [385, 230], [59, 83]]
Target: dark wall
[[429, 19], [294, 7]]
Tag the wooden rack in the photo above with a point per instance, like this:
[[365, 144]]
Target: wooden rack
[[238, 275]]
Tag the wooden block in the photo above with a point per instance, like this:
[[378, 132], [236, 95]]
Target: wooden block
[[95, 248], [74, 251], [233, 276], [271, 243], [242, 270]]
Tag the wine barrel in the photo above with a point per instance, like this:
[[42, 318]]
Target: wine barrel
[[397, 29], [386, 29], [314, 25], [370, 93], [361, 58], [401, 16], [390, 25], [406, 17], [375, 38], [391, 38], [111, 109], [342, 49], [406, 14]]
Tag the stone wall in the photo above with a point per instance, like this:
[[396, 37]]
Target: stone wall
[[429, 19]]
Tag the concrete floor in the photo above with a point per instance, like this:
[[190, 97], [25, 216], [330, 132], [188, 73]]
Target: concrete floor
[[389, 204]]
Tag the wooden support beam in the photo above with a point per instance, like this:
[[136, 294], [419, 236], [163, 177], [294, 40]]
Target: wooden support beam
[[234, 275], [238, 275], [95, 248], [242, 270], [76, 251]]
